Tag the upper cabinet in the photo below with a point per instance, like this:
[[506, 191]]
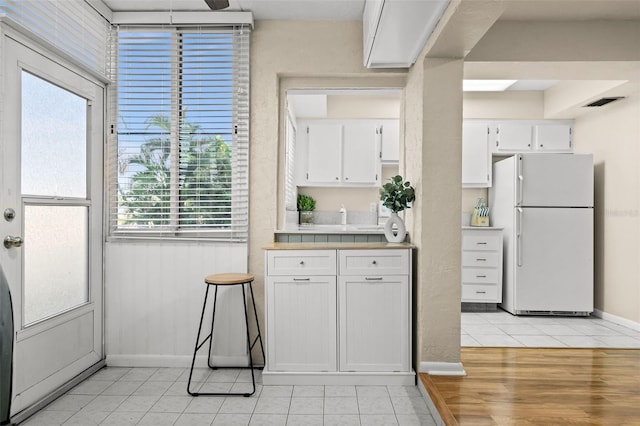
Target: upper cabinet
[[476, 155], [394, 32], [390, 136], [481, 139], [338, 153], [517, 136]]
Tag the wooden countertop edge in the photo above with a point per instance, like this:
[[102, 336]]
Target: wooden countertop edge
[[337, 245]]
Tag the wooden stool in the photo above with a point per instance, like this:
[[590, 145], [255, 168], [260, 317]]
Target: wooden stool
[[230, 279]]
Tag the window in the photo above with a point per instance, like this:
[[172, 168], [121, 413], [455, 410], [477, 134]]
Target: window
[[179, 148]]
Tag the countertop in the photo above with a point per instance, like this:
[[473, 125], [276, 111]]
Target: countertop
[[488, 228], [331, 229], [335, 246]]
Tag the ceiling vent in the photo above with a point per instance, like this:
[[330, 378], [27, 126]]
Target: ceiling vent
[[603, 101]]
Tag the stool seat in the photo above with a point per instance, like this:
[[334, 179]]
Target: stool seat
[[228, 278]]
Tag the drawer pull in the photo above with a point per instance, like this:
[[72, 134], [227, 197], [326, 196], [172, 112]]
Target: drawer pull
[[302, 279], [482, 243], [479, 259], [481, 276], [373, 278], [481, 292], [374, 263], [302, 262]]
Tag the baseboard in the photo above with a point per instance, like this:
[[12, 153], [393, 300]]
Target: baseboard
[[179, 361], [617, 320], [338, 378], [442, 368]]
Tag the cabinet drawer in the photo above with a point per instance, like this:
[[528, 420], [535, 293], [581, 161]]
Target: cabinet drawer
[[478, 275], [483, 293], [476, 259], [374, 262], [481, 240], [301, 262]]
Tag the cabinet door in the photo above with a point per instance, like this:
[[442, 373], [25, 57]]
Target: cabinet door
[[301, 323], [374, 323], [513, 137], [361, 153], [476, 156], [390, 132], [553, 137], [324, 153]]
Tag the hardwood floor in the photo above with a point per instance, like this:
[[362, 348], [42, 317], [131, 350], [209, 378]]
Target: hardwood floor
[[522, 386]]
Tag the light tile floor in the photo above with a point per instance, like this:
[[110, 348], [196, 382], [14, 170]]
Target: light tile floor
[[503, 329], [157, 397]]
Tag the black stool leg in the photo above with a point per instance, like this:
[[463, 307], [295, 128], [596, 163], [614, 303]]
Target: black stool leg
[[246, 321], [264, 359], [213, 320], [198, 345]]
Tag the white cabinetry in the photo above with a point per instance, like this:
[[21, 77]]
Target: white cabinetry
[[324, 143], [476, 155], [355, 332], [482, 265], [374, 310], [337, 153], [516, 136], [390, 131]]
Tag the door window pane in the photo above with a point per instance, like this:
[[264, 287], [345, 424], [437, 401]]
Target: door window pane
[[54, 133], [55, 254]]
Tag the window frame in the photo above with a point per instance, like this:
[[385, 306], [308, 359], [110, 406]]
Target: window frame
[[237, 231]]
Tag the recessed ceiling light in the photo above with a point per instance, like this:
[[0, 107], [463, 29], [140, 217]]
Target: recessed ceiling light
[[486, 85]]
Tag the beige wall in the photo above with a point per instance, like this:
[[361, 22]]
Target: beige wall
[[292, 54], [612, 134], [433, 112]]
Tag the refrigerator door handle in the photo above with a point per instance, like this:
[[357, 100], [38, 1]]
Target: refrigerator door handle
[[520, 181], [519, 236]]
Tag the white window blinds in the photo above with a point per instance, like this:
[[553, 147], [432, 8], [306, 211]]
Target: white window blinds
[[179, 149], [74, 28]]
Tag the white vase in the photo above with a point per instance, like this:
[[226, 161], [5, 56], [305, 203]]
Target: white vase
[[398, 234]]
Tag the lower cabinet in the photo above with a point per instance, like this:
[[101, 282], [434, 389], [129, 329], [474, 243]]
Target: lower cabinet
[[350, 327], [302, 323], [374, 323]]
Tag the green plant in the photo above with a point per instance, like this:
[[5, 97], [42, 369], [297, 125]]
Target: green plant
[[306, 203], [396, 195]]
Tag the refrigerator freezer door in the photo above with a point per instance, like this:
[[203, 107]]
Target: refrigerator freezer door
[[554, 260], [554, 180]]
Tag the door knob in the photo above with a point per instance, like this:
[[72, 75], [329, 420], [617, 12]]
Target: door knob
[[10, 241]]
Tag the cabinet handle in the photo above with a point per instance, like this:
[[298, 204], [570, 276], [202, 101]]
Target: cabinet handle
[[374, 263], [302, 262], [302, 279], [337, 178], [479, 259], [481, 292], [482, 243], [481, 276], [373, 278]]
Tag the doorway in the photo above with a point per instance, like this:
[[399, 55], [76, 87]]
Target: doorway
[[52, 132]]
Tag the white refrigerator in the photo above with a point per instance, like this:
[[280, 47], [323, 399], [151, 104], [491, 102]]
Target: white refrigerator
[[544, 203]]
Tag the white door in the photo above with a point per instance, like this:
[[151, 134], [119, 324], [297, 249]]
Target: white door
[[554, 259], [476, 155], [52, 133], [563, 180], [361, 148], [301, 321], [374, 323], [324, 160]]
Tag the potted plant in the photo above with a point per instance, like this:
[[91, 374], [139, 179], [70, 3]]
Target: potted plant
[[397, 196], [306, 206]]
